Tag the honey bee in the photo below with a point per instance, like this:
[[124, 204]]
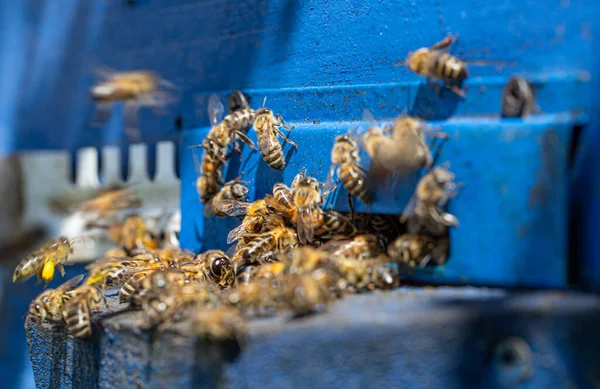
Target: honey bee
[[308, 200], [136, 89], [217, 267], [345, 157], [161, 308], [358, 275], [328, 224], [267, 127], [209, 179], [413, 250], [148, 283], [434, 63], [122, 271], [232, 190], [279, 239], [78, 310], [424, 211], [304, 295], [110, 201], [386, 228], [255, 216], [43, 261], [400, 148], [49, 304], [360, 246], [216, 144], [219, 324], [258, 297]]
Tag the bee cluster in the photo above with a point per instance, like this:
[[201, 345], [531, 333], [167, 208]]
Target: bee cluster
[[291, 254]]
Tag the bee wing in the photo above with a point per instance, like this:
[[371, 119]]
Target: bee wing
[[104, 72], [409, 209], [330, 183], [239, 230], [369, 118], [231, 251], [105, 261], [215, 110], [70, 283], [306, 232], [232, 207]]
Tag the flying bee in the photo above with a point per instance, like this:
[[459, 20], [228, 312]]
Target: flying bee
[[401, 148], [279, 239], [359, 246], [413, 250], [219, 324], [435, 63], [110, 201], [232, 190], [217, 267], [345, 157], [43, 262], [136, 89], [49, 304], [424, 211], [77, 312], [267, 127]]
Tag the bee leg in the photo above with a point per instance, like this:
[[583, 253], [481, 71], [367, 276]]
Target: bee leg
[[244, 138], [351, 206], [102, 113], [458, 91], [445, 43], [285, 138], [61, 269], [435, 86]]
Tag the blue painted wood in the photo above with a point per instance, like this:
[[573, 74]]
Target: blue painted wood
[[411, 337], [48, 50], [512, 209]]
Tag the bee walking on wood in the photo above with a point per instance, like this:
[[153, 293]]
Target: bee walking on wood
[[49, 304], [77, 312], [435, 63], [136, 89], [345, 157], [216, 145], [267, 127]]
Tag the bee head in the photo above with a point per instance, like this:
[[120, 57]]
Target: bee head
[[264, 111], [417, 61]]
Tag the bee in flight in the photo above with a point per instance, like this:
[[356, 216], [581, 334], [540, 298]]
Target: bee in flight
[[135, 89], [400, 148], [424, 211], [44, 261], [267, 127], [435, 63]]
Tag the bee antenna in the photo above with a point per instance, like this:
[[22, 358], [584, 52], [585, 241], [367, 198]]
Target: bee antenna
[[265, 101], [440, 142], [317, 170]]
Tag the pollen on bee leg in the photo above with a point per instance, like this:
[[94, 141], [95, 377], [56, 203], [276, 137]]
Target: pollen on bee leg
[[48, 271]]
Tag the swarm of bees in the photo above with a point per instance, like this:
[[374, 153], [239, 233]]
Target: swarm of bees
[[290, 255]]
